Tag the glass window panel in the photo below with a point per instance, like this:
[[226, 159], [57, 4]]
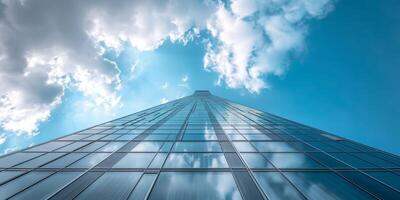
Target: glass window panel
[[256, 137], [111, 146], [110, 137], [275, 186], [73, 146], [92, 146], [158, 161], [244, 147], [50, 146], [235, 137], [256, 160], [387, 178], [94, 137], [200, 137], [112, 185], [127, 137], [197, 147], [274, 146], [20, 183], [323, 147], [374, 160], [135, 160], [36, 162], [378, 189], [156, 137], [48, 186], [291, 160], [171, 137], [142, 188], [65, 160], [13, 159], [147, 147], [195, 186], [329, 161], [352, 160], [388, 157], [325, 185], [250, 131], [196, 160], [90, 160], [353, 145], [340, 146], [74, 137], [7, 175], [304, 147], [166, 147]]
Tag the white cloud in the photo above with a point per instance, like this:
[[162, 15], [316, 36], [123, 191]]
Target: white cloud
[[165, 86], [50, 47], [3, 138], [256, 38], [163, 100], [10, 149]]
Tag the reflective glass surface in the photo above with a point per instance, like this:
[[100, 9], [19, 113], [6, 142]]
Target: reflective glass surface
[[325, 185], [200, 147], [196, 160], [195, 186], [275, 186], [112, 185]]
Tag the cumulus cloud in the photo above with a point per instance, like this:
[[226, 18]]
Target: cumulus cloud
[[49, 47], [256, 38]]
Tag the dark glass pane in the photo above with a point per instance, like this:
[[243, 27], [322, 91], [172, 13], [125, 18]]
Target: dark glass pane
[[325, 185], [73, 146], [90, 160], [65, 160], [328, 161], [292, 160], [48, 186], [374, 160], [20, 183], [275, 186], [388, 178], [371, 185], [92, 147], [36, 162], [13, 159], [7, 175], [142, 188], [352, 160], [50, 146], [195, 186], [112, 185]]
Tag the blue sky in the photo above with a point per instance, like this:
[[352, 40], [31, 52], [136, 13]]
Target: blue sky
[[330, 64]]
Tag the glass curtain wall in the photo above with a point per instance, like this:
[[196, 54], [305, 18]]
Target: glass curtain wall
[[200, 147]]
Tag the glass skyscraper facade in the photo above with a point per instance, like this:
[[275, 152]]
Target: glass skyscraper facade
[[200, 147]]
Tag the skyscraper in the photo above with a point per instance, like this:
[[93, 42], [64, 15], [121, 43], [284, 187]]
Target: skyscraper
[[200, 147]]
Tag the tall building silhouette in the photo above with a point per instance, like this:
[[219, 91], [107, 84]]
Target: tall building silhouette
[[200, 147]]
